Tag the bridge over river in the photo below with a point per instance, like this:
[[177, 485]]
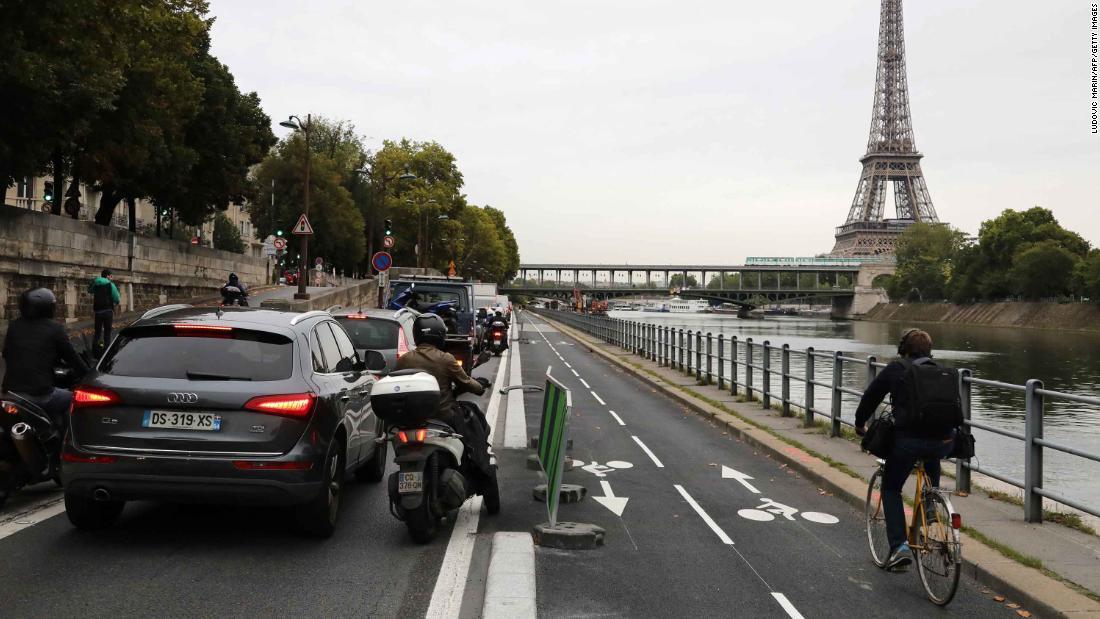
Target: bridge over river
[[846, 282]]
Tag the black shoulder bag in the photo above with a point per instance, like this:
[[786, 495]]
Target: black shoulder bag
[[879, 438]]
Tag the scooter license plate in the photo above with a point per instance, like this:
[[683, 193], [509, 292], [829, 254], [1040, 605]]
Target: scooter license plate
[[410, 482]]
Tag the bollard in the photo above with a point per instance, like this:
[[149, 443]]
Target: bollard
[[766, 375], [1033, 454], [710, 357], [808, 420], [748, 368], [838, 379], [721, 360], [698, 356], [733, 365], [785, 367], [962, 469]]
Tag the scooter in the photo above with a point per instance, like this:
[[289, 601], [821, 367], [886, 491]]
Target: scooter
[[30, 441], [232, 295], [497, 332], [438, 473]]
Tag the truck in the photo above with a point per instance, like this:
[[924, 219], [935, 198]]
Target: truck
[[420, 293]]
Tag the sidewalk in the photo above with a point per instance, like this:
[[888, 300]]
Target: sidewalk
[[1054, 568]]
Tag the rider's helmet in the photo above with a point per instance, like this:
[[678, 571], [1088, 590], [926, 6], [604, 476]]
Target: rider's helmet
[[233, 279], [37, 303], [430, 329]]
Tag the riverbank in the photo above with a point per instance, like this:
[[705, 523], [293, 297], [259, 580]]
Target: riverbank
[[1060, 316]]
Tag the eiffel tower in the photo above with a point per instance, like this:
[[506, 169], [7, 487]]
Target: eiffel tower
[[891, 157]]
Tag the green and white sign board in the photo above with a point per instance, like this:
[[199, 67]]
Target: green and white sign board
[[556, 404]]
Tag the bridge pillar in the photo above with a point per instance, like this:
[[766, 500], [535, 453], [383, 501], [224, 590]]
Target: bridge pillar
[[864, 296]]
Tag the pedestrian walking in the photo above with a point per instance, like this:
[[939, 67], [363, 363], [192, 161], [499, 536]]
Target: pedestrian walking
[[105, 299]]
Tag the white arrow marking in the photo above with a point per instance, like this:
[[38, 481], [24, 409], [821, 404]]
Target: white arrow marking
[[728, 473], [610, 501]]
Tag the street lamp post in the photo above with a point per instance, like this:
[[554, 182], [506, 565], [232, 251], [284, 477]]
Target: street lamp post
[[303, 263]]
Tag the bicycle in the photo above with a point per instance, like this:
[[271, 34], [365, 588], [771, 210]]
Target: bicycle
[[933, 535]]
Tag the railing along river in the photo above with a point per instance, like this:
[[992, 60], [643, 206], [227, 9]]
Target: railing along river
[[705, 356]]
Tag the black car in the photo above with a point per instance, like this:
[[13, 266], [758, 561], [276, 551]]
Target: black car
[[223, 405]]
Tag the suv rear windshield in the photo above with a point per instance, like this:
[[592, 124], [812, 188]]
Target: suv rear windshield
[[158, 352], [371, 333]]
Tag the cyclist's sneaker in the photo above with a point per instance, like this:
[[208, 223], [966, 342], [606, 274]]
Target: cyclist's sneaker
[[900, 559]]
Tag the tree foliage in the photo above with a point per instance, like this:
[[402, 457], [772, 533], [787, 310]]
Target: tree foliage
[[1018, 254], [226, 235]]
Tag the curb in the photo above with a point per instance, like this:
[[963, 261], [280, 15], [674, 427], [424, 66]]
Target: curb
[[988, 567]]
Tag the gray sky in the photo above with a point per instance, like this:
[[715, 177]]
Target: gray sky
[[641, 131]]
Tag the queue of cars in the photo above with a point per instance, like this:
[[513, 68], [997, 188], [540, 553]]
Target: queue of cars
[[233, 405]]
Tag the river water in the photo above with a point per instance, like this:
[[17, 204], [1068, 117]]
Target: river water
[[1063, 360]]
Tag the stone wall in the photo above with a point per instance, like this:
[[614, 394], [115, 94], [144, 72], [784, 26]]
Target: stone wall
[[39, 249], [361, 295], [1015, 314]]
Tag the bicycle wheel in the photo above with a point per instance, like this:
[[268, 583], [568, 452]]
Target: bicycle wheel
[[939, 559], [876, 521]]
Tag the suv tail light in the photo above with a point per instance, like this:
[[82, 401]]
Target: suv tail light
[[402, 343], [90, 397], [291, 405]]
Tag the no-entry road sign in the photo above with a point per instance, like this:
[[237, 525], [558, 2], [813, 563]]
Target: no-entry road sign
[[381, 261]]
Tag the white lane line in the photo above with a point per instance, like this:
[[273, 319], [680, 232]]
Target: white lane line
[[515, 422], [702, 514], [617, 418], [598, 398], [586, 385], [510, 587], [548, 368], [450, 585], [32, 515], [787, 606], [575, 373], [648, 452], [566, 363]]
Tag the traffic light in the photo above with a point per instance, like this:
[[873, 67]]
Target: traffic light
[[389, 227], [47, 192], [278, 233]]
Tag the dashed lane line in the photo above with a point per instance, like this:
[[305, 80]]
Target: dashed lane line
[[648, 452], [787, 606], [585, 383], [598, 398], [617, 418], [575, 373], [566, 363], [699, 510]]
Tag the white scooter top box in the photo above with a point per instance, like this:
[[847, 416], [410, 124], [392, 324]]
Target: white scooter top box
[[406, 399]]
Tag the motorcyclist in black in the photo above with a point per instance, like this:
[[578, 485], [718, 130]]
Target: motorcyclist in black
[[229, 295], [499, 318], [34, 345]]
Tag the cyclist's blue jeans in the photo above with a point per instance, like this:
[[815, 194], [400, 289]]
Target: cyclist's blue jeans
[[907, 451]]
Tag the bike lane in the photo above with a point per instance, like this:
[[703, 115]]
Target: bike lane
[[717, 527]]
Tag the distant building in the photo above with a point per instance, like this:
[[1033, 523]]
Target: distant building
[[29, 193]]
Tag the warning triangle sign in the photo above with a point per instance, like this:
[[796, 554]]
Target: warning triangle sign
[[302, 227]]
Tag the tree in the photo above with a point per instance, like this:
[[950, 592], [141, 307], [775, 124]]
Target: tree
[[337, 223], [511, 247], [481, 253], [728, 281], [226, 235], [1087, 275], [677, 281], [925, 257], [1042, 270]]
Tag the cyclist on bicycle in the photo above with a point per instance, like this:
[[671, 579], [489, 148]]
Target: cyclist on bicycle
[[926, 438]]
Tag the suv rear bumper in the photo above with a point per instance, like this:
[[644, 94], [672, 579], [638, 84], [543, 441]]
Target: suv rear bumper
[[193, 480]]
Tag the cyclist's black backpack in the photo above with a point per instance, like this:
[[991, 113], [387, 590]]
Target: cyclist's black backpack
[[934, 406]]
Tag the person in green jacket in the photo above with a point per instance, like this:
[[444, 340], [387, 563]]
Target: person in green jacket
[[105, 299]]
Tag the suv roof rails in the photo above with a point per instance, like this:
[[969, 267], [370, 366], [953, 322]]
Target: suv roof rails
[[164, 309], [333, 308], [431, 278], [308, 315]]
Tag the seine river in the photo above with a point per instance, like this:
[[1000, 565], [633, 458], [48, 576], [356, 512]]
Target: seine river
[[1064, 361]]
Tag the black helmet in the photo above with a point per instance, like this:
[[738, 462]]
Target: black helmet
[[430, 329], [37, 303], [232, 277]]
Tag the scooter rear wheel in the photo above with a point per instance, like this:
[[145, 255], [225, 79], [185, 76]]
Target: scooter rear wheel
[[422, 521]]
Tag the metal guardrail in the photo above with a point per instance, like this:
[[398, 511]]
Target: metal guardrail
[[705, 356]]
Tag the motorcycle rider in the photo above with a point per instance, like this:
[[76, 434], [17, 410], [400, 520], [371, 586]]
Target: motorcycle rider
[[502, 326], [430, 335], [229, 296], [34, 344]]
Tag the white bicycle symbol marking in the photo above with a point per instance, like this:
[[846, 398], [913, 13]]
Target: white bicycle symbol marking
[[601, 470], [769, 509]]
